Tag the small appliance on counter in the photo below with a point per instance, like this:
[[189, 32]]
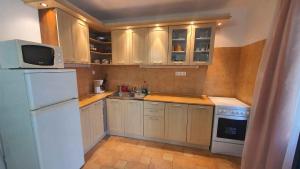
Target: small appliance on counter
[[230, 125], [98, 86]]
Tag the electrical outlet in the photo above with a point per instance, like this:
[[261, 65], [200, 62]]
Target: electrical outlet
[[93, 72], [180, 73]]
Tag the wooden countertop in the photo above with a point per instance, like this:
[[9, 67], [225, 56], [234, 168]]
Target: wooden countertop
[[203, 100], [93, 98]]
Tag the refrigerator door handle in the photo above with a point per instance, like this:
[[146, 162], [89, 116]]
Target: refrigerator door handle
[[2, 151]]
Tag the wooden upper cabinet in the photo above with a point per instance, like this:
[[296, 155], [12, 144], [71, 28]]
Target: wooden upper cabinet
[[179, 45], [71, 34], [202, 44], [158, 45], [81, 41], [64, 25], [139, 46], [121, 46]]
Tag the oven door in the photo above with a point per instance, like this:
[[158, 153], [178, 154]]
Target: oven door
[[230, 129]]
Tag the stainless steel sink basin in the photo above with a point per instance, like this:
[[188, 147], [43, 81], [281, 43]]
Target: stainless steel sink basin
[[125, 96]]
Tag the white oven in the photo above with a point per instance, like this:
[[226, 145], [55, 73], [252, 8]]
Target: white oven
[[24, 54], [230, 126]]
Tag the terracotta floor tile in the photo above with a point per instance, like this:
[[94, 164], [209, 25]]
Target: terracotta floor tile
[[135, 165], [157, 163], [168, 157], [145, 160], [153, 153], [120, 164], [123, 153]]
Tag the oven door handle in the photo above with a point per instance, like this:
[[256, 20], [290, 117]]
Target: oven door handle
[[231, 117]]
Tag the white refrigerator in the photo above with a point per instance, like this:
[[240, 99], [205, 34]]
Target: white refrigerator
[[40, 119]]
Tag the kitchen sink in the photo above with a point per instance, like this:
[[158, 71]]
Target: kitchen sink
[[126, 96]]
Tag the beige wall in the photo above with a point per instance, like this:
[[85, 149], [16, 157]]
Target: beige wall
[[218, 79], [19, 21], [248, 68], [232, 74]]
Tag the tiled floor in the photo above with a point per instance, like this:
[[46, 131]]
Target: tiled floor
[[123, 153]]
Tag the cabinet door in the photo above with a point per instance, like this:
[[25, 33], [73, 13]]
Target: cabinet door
[[139, 46], [202, 44], [134, 118], [98, 120], [64, 25], [154, 127], [85, 128], [115, 115], [121, 46], [179, 44], [81, 41], [200, 120], [176, 122], [158, 45]]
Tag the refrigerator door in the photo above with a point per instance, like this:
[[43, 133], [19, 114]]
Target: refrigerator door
[[48, 88], [58, 136]]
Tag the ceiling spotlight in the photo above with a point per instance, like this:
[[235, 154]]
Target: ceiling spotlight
[[84, 19], [220, 24], [44, 4], [192, 22], [156, 25]]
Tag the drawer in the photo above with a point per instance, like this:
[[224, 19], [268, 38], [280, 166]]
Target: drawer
[[154, 112], [154, 105], [176, 106]]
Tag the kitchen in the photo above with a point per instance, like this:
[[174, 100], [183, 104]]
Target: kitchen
[[167, 88]]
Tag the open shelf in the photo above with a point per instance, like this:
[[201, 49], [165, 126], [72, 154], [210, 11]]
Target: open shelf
[[99, 41], [100, 53]]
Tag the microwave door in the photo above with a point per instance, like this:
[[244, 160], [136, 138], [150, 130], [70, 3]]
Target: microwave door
[[38, 55]]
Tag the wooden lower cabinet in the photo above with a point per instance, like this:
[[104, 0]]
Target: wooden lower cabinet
[[200, 119], [176, 119], [154, 127], [134, 118], [115, 117], [92, 125], [125, 117], [171, 122]]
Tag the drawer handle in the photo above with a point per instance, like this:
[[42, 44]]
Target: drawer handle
[[154, 118], [201, 108], [154, 103]]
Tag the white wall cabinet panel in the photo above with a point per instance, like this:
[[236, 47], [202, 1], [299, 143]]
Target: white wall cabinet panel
[[73, 38], [81, 41], [139, 46], [121, 46], [176, 122], [158, 45]]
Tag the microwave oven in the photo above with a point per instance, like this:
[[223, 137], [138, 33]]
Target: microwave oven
[[23, 54]]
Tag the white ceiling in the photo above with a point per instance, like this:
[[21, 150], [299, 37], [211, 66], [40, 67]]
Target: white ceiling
[[125, 9]]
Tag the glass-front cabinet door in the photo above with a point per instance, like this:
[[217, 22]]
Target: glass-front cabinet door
[[202, 44], [179, 44]]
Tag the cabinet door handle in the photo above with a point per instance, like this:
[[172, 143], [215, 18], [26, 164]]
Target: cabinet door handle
[[154, 118], [201, 108]]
